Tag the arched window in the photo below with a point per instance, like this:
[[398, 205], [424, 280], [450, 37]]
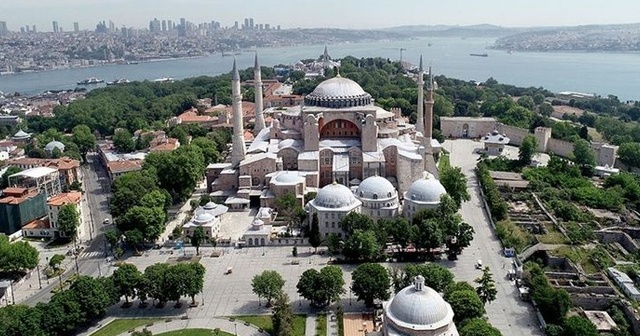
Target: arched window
[[375, 196]]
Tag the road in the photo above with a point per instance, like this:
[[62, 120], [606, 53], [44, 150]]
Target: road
[[508, 313], [92, 259]]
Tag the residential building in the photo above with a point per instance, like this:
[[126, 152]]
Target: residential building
[[46, 180], [68, 168], [625, 283], [19, 206], [55, 203]]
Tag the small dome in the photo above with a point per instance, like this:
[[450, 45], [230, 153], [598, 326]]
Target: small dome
[[334, 196], [257, 224], [53, 145], [203, 218], [420, 308], [427, 190], [376, 187], [289, 177], [287, 143], [210, 206]]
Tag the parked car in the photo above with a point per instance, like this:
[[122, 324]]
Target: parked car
[[106, 221]]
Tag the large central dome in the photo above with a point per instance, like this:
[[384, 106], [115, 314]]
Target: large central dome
[[338, 92]]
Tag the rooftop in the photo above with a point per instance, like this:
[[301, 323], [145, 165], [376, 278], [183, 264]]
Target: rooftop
[[42, 223], [36, 172], [73, 197]]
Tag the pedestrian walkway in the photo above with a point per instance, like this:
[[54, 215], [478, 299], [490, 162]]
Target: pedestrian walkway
[[236, 327], [310, 326], [91, 255], [332, 324]]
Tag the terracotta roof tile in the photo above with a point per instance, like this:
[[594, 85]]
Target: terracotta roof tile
[[42, 223], [73, 197]]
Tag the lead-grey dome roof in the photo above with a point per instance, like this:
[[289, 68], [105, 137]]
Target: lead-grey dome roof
[[425, 190], [338, 92], [419, 309], [334, 196], [203, 218], [54, 144], [375, 187], [289, 177]]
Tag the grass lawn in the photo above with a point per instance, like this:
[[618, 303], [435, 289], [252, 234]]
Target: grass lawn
[[264, 322], [321, 325], [443, 162], [195, 332], [119, 326], [553, 236]]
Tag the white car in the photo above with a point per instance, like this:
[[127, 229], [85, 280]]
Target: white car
[[106, 221], [479, 264]]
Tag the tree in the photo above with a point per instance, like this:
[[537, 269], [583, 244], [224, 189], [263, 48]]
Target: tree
[[178, 171], [545, 109], [361, 245], [194, 280], [155, 282], [334, 244], [282, 318], [315, 239], [113, 238], [288, 205], [466, 305], [436, 276], [148, 221], [209, 150], [455, 183], [56, 153], [370, 282], [197, 238], [583, 154], [429, 234], [478, 327], [401, 231], [527, 149], [463, 238], [55, 261], [19, 320], [458, 286], [91, 296], [68, 220], [267, 285], [629, 153], [18, 256], [487, 290], [321, 288], [578, 325], [356, 221], [4, 183], [126, 279], [129, 189], [123, 141], [84, 139]]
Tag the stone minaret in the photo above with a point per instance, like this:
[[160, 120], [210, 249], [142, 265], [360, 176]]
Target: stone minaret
[[420, 119], [259, 116], [238, 150], [428, 125]]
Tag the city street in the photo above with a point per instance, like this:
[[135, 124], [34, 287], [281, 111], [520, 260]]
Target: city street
[[508, 313], [91, 261]]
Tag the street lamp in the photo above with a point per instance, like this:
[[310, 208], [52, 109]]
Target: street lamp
[[235, 325]]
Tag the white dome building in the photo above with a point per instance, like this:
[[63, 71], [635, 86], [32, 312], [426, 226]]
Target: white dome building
[[418, 310], [52, 145], [208, 217], [379, 197], [424, 193], [332, 203]]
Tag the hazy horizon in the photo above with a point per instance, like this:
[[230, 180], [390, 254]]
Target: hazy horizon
[[349, 14]]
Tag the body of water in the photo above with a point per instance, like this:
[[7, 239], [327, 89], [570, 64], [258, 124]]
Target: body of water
[[601, 73]]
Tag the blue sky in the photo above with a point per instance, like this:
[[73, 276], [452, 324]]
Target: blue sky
[[320, 13]]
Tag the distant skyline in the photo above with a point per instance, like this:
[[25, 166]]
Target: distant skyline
[[353, 14]]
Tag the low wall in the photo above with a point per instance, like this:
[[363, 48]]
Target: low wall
[[515, 134], [593, 302], [620, 237], [560, 147], [632, 317]]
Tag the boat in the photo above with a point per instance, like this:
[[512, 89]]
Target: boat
[[119, 81], [165, 79], [480, 55], [132, 63], [90, 80]]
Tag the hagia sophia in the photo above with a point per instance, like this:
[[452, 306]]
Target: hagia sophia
[[355, 155]]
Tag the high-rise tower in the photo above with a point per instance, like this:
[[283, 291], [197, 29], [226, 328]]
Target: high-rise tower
[[420, 118], [428, 125], [238, 149], [257, 79]]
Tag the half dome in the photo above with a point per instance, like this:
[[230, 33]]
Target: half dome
[[203, 218], [53, 145]]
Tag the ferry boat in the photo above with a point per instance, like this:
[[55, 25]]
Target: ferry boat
[[165, 79], [90, 80], [480, 55], [119, 81]]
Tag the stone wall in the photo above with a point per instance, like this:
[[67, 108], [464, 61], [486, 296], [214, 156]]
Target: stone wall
[[622, 238], [632, 317], [593, 302], [515, 134], [560, 147]]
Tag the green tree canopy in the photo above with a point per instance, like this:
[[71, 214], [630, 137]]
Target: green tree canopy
[[123, 141], [455, 182], [68, 220], [487, 288], [197, 238], [323, 287], [527, 149], [56, 260], [478, 327], [126, 278], [267, 285], [466, 305], [370, 282], [282, 317], [578, 325], [18, 256], [84, 139], [315, 239]]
